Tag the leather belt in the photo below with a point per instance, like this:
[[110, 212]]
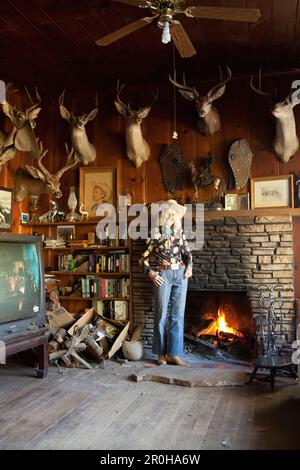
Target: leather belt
[[172, 266]]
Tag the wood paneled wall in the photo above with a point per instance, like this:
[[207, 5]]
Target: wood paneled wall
[[244, 114]]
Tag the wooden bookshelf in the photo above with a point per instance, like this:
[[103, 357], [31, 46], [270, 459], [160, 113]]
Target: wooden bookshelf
[[77, 303]]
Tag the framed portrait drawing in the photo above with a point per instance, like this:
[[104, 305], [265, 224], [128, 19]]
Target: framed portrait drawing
[[5, 209], [98, 185], [272, 191]]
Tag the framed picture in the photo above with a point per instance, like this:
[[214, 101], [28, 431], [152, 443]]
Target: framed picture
[[24, 217], [65, 232], [231, 202], [236, 202], [5, 209], [244, 201], [98, 185], [272, 191]]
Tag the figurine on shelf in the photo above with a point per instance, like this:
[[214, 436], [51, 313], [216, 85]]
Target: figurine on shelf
[[84, 214], [53, 215], [33, 208]]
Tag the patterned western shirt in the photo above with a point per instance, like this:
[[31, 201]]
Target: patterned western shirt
[[166, 246]]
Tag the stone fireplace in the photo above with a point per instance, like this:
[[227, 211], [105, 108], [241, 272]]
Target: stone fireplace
[[239, 254]]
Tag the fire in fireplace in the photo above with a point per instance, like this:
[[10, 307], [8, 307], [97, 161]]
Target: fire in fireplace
[[221, 321]]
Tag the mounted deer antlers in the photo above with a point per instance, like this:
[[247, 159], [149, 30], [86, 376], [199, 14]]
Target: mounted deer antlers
[[286, 142], [39, 180], [22, 137], [137, 148], [84, 150], [208, 116]]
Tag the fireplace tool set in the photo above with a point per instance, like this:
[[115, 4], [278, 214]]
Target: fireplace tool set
[[268, 321], [269, 357]]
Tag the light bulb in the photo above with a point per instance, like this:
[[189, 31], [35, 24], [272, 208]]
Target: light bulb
[[166, 36]]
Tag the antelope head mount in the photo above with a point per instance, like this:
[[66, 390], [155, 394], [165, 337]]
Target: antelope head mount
[[84, 150], [208, 116], [286, 142], [137, 149], [22, 137], [37, 181]]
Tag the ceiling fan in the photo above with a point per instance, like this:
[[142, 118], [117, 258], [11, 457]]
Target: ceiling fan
[[165, 11]]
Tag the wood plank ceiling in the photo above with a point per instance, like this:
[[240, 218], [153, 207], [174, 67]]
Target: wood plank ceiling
[[51, 42]]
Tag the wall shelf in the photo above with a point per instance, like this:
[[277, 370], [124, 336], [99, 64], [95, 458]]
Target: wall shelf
[[282, 211], [71, 297], [101, 274]]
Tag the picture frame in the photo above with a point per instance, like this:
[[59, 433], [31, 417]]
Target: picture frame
[[244, 201], [98, 185], [231, 202], [272, 192], [25, 217], [65, 232], [6, 202], [237, 202]]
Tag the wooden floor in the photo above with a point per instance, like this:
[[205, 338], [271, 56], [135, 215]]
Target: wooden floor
[[102, 409]]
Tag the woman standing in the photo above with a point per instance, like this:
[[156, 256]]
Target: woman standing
[[171, 269]]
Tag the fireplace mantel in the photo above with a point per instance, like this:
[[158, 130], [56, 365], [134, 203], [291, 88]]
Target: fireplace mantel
[[271, 212]]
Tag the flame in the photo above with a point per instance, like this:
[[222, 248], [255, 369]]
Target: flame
[[219, 325]]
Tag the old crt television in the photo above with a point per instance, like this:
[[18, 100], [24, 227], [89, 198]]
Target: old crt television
[[22, 292]]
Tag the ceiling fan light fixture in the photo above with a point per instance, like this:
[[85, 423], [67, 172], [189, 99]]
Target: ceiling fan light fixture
[[166, 36]]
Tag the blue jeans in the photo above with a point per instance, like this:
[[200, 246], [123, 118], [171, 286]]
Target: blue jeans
[[168, 329]]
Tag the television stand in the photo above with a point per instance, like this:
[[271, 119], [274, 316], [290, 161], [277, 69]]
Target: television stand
[[28, 341]]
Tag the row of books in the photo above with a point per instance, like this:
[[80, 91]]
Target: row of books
[[93, 286], [113, 309], [94, 262]]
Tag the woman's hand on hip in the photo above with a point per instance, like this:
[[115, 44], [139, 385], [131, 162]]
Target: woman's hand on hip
[[156, 278], [188, 272]]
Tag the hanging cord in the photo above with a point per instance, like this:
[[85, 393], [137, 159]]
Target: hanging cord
[[175, 133]]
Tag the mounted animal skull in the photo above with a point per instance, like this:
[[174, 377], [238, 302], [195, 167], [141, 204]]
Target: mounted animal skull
[[208, 116], [84, 150], [286, 142], [137, 149], [22, 137], [37, 181]]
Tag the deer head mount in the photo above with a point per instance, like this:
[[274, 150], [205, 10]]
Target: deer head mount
[[37, 181], [84, 150], [208, 116], [137, 149], [22, 137], [286, 142]]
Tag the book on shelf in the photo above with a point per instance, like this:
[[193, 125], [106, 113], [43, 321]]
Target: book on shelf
[[91, 286], [112, 309], [93, 262]]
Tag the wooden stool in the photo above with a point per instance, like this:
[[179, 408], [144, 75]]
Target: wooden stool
[[273, 363]]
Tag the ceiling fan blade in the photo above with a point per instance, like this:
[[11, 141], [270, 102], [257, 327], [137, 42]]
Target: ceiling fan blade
[[134, 3], [120, 33], [250, 15], [181, 40]]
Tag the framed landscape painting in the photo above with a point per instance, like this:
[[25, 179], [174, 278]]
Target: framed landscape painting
[[272, 191], [5, 209]]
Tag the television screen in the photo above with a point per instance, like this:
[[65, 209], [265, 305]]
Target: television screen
[[20, 284]]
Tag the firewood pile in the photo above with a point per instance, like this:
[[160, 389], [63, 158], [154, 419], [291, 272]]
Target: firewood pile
[[239, 346], [92, 338], [68, 349]]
